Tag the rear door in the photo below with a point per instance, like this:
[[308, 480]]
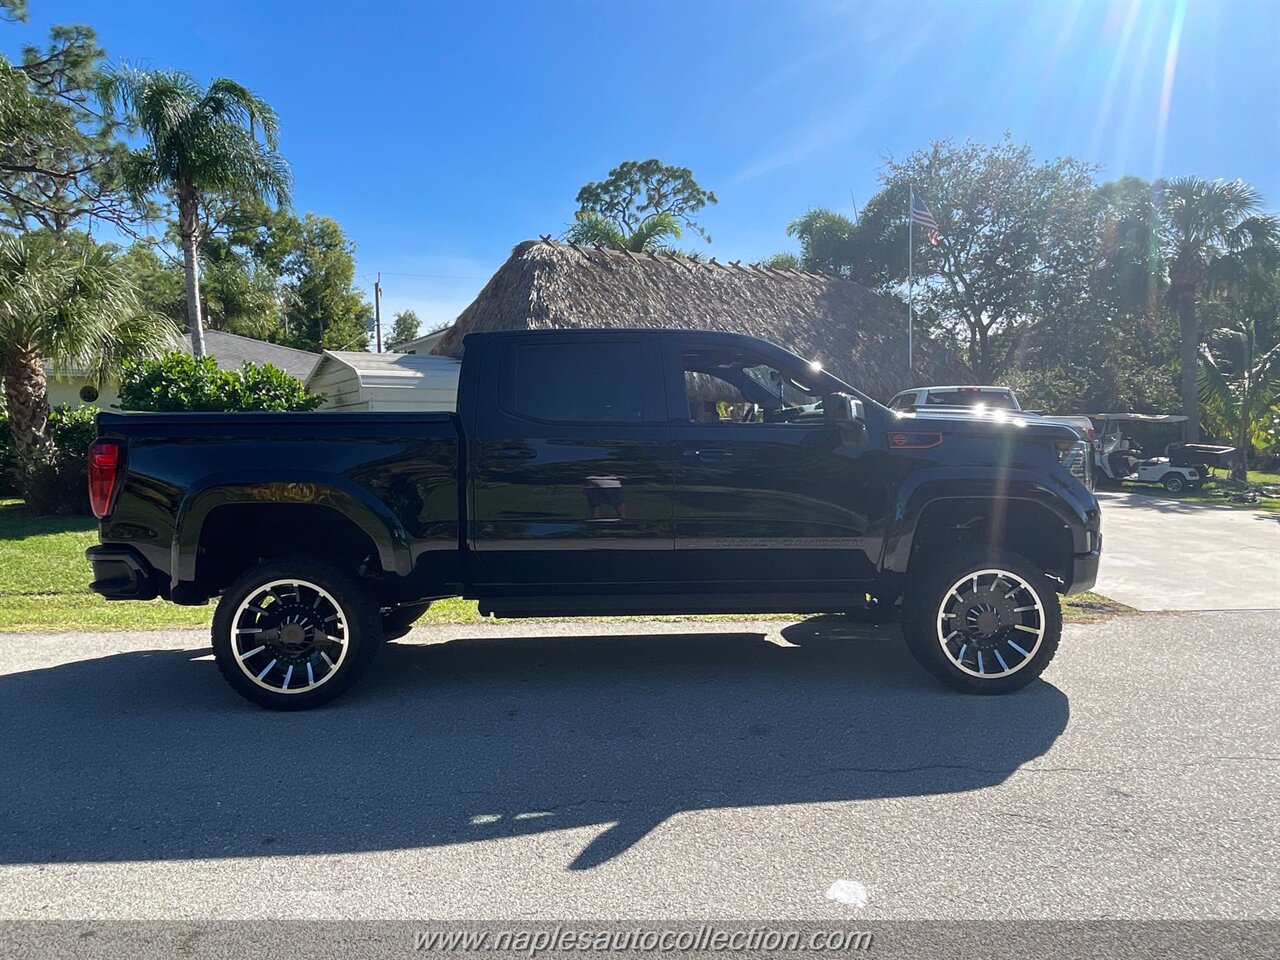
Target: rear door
[[570, 464]]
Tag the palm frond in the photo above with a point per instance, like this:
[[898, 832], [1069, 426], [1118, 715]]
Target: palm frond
[[653, 233], [591, 229]]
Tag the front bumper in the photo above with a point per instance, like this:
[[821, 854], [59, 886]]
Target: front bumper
[[120, 573], [1084, 570]]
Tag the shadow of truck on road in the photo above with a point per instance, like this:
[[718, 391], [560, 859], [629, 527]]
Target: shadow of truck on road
[[147, 756]]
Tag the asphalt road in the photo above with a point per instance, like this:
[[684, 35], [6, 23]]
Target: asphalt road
[[1163, 554], [535, 772]]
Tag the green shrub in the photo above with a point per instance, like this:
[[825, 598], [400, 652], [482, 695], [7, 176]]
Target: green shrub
[[179, 383], [73, 428], [58, 483], [270, 388]]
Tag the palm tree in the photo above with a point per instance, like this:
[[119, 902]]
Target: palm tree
[[1205, 223], [69, 302], [1239, 383], [650, 235], [199, 143]]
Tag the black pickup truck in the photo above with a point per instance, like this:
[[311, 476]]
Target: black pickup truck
[[597, 473]]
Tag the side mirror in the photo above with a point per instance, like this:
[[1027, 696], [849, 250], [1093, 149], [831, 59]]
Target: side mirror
[[842, 408]]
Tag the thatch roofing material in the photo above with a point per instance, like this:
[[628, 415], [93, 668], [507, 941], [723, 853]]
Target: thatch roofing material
[[845, 326]]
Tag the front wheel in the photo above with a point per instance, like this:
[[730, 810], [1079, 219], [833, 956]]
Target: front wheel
[[983, 625], [294, 633]]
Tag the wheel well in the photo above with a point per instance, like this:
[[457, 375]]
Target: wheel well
[[237, 536], [991, 525]]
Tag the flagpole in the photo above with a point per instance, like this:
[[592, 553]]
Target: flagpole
[[911, 308]]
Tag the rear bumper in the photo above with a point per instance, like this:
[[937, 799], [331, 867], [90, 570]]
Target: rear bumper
[[1084, 571], [120, 573]]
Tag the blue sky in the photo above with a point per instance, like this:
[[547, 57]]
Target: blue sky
[[440, 135]]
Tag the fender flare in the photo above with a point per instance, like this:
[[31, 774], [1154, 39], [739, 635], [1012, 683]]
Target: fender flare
[[383, 527], [929, 487]]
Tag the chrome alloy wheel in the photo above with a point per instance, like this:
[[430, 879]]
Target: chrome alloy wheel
[[991, 623], [289, 636]]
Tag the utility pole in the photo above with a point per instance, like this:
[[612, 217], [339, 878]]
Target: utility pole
[[377, 314]]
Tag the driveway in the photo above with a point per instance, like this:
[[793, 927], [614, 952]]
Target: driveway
[[1162, 554], [727, 770]]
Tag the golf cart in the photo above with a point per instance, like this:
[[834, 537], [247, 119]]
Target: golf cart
[[1184, 466]]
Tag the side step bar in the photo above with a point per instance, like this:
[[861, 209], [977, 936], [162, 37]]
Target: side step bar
[[667, 604]]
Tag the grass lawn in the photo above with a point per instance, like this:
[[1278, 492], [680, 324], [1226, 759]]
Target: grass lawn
[[44, 580], [1219, 493]]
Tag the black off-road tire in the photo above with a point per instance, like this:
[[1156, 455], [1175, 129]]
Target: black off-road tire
[[396, 623], [929, 602], [357, 624]]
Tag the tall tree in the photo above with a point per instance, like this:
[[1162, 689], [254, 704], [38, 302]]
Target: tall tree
[[69, 301], [1239, 383], [826, 240], [323, 309], [404, 329], [640, 197], [200, 143], [1015, 243], [1205, 225], [1109, 347], [60, 155]]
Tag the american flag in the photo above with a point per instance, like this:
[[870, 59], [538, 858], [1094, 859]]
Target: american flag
[[921, 217]]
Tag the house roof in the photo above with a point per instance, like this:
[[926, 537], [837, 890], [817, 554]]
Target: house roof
[[230, 351], [842, 324], [423, 344]]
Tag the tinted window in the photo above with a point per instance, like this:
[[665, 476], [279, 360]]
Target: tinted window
[[576, 382], [971, 398], [730, 386]]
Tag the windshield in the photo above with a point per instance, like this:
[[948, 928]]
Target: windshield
[[997, 399]]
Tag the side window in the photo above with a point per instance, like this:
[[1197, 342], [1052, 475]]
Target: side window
[[575, 382], [731, 386]]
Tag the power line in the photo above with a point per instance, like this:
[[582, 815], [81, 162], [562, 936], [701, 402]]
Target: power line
[[428, 276]]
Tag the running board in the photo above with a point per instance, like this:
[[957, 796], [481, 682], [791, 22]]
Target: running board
[[645, 605]]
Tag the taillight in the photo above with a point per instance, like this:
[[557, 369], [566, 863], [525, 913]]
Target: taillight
[[106, 457]]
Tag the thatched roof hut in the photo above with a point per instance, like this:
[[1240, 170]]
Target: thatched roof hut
[[843, 325]]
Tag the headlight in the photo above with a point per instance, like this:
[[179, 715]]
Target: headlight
[[1074, 455]]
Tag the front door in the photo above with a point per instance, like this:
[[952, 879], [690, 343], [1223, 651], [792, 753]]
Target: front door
[[570, 470], [768, 494]]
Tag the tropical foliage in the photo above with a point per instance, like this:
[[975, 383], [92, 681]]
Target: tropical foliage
[[66, 300], [1084, 297], [640, 206], [219, 141], [1208, 227], [180, 383], [1239, 386]]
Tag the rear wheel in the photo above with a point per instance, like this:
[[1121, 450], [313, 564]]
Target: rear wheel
[[294, 633], [983, 624], [1174, 482]]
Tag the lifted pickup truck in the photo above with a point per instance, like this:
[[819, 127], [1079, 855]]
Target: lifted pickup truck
[[597, 473]]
